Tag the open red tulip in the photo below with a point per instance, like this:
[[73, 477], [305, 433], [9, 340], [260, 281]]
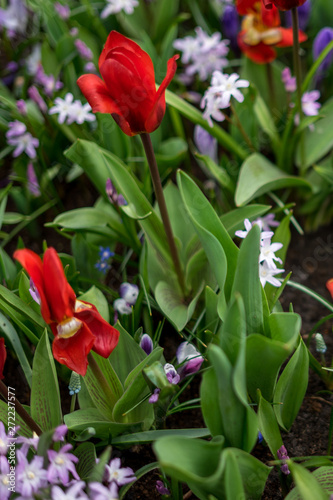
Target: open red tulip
[[283, 4], [261, 31], [77, 325], [127, 90], [3, 356]]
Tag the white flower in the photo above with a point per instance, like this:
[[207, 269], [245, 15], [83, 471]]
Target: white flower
[[24, 143], [189, 46], [116, 6], [63, 107], [267, 275], [248, 227], [267, 253], [212, 106], [227, 86], [71, 111], [121, 306]]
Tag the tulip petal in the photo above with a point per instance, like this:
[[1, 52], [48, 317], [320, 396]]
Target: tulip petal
[[156, 115], [106, 337], [32, 263], [117, 40], [60, 295], [95, 91], [260, 53], [287, 37], [73, 351], [245, 7]]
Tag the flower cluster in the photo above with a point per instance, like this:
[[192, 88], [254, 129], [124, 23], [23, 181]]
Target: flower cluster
[[128, 296], [115, 6], [71, 111], [203, 54], [267, 258], [189, 362], [23, 141], [103, 264], [283, 455], [218, 95]]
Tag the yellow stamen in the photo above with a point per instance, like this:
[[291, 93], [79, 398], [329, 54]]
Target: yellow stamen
[[68, 327]]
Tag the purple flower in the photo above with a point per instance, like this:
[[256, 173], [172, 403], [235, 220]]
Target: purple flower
[[48, 82], [267, 222], [10, 72], [14, 19], [121, 306], [90, 67], [33, 184], [63, 10], [171, 373], [16, 129], [154, 397], [100, 492], [21, 106], [288, 80], [117, 474], [74, 32], [114, 197], [323, 38], [189, 358], [74, 492], [283, 455], [129, 293], [146, 343], [105, 253], [231, 25], [24, 143], [206, 143], [27, 442], [37, 98], [83, 50], [60, 433], [5, 479], [30, 476], [102, 266], [4, 440], [34, 292], [161, 489], [61, 464], [303, 15]]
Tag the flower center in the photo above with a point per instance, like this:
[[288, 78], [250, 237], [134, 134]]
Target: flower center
[[68, 327], [31, 475], [59, 461]]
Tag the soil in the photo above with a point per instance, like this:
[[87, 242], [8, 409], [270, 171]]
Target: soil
[[310, 259]]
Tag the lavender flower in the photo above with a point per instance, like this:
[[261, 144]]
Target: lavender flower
[[129, 293], [171, 374], [266, 222], [121, 306], [74, 492], [117, 474], [90, 67], [37, 98], [146, 343], [248, 226], [309, 105], [323, 38], [16, 129], [61, 464], [100, 492], [23, 141], [116, 6], [267, 253], [189, 358], [206, 143], [161, 489], [5, 492], [114, 197], [21, 106], [83, 50], [154, 397], [32, 184], [63, 10], [4, 441], [288, 80], [15, 18], [48, 82], [30, 476], [283, 455], [27, 442], [34, 292], [10, 73], [60, 433], [33, 61]]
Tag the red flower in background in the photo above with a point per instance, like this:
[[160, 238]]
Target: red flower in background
[[3, 356], [329, 286], [127, 89], [261, 31], [78, 327], [283, 4]]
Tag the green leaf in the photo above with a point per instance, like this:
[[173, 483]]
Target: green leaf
[[151, 436], [268, 426], [324, 476], [171, 153], [266, 121], [23, 309], [210, 406], [219, 173], [258, 176], [291, 387], [45, 395], [87, 460], [233, 479], [96, 297], [172, 304], [24, 429], [306, 483]]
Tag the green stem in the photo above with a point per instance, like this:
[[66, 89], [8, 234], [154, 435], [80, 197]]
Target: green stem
[[148, 147], [241, 129], [271, 86], [20, 410], [298, 73], [73, 401], [102, 382]]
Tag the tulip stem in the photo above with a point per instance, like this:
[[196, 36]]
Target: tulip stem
[[298, 74], [20, 410], [148, 147]]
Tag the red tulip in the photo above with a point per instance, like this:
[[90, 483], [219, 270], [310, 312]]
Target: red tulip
[[261, 31], [3, 356], [329, 286], [128, 89], [77, 326], [283, 4]]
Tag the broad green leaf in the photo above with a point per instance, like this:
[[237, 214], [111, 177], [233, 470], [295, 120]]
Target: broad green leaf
[[233, 479], [171, 153], [291, 387], [258, 176], [219, 247], [210, 406], [45, 395], [172, 304], [219, 173], [11, 335], [23, 309], [24, 429], [268, 426], [247, 281], [86, 454], [151, 436], [306, 483], [97, 298], [324, 476], [211, 301], [266, 121]]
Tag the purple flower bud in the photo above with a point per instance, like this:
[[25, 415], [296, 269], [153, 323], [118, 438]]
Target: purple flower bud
[[34, 292], [90, 67], [161, 489], [231, 25], [206, 143], [60, 433], [189, 358], [32, 184], [146, 343], [63, 10], [114, 197], [288, 80], [324, 37], [74, 32], [283, 455], [83, 50], [37, 98], [303, 15], [21, 106], [129, 293], [171, 373], [154, 397]]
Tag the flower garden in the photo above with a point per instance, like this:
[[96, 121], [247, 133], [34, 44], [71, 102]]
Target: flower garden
[[161, 163]]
